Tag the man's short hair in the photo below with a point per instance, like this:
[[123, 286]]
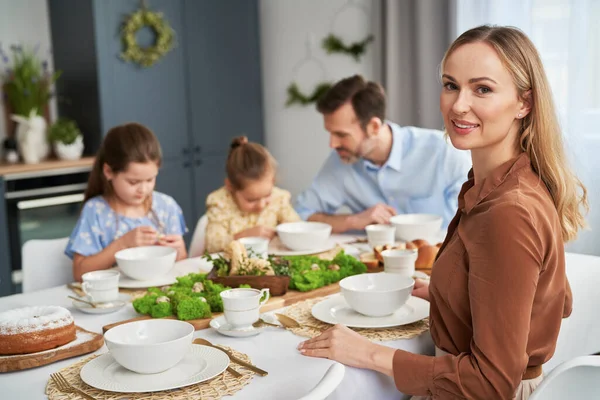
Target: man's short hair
[[367, 99]]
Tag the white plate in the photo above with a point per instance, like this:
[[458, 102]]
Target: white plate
[[103, 308], [181, 268], [277, 248], [335, 310], [221, 325], [200, 364]]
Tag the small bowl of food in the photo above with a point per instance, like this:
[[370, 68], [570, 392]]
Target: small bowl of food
[[377, 294], [304, 235], [150, 346], [145, 263]]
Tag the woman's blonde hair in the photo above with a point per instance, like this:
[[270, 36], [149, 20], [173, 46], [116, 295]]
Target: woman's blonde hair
[[540, 133]]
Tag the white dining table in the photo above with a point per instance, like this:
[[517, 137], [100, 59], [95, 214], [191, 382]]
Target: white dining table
[[291, 374]]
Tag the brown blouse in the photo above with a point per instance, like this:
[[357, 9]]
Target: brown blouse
[[498, 290]]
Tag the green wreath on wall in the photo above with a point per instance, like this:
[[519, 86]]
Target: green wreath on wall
[[295, 96], [164, 41]]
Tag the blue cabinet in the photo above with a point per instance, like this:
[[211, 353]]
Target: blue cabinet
[[5, 265], [203, 93]]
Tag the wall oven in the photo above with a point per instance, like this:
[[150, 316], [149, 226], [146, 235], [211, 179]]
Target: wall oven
[[41, 205]]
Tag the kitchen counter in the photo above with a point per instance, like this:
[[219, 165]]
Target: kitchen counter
[[46, 165]]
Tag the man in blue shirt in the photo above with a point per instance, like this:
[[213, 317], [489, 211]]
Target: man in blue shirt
[[378, 168]]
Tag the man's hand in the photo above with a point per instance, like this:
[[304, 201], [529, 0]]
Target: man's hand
[[378, 214]]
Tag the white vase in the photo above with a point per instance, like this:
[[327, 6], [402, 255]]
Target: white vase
[[71, 151]]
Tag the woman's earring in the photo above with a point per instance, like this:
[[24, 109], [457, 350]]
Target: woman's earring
[[519, 116]]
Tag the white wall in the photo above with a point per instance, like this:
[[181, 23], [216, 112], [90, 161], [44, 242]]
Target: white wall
[[24, 22], [295, 135]]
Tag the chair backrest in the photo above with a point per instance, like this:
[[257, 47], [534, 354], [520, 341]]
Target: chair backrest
[[199, 239], [578, 378], [330, 381], [45, 264]]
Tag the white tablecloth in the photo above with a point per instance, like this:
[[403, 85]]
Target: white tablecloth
[[291, 374]]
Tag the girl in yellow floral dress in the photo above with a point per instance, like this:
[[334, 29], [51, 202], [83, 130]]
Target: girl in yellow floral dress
[[249, 205]]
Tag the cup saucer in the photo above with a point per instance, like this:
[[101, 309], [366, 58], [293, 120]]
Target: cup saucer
[[103, 308], [221, 325]]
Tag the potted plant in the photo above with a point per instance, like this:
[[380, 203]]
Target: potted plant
[[66, 139], [26, 84]]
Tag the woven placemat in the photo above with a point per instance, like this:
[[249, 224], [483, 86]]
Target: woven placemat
[[222, 385], [301, 312]]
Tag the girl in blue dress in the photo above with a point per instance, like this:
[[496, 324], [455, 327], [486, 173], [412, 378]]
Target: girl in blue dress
[[121, 208]]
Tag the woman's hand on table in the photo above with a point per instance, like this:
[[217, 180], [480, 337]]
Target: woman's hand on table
[[421, 289], [345, 346]]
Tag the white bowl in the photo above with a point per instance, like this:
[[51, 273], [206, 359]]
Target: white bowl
[[145, 263], [376, 295], [150, 346], [304, 235], [258, 245], [417, 226]]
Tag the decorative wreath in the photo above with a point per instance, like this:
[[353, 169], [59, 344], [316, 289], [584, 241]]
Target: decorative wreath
[[164, 42], [333, 44], [295, 96]]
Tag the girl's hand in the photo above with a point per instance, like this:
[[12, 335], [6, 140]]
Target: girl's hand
[[175, 241], [421, 289], [260, 231], [140, 236]]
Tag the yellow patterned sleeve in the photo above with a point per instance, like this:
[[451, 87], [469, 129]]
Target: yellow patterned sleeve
[[217, 231], [286, 212]]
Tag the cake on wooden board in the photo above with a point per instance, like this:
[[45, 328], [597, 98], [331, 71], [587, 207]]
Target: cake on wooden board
[[33, 329]]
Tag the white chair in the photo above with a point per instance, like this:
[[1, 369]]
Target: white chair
[[330, 381], [45, 265], [578, 378], [198, 244]]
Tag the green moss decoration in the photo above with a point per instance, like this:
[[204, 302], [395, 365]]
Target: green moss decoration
[[333, 44], [295, 96], [164, 42]]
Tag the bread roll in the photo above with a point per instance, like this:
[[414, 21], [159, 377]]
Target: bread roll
[[426, 257], [369, 260], [411, 246], [420, 243]]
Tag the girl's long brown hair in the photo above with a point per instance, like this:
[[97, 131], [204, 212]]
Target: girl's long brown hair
[[540, 134], [122, 145]]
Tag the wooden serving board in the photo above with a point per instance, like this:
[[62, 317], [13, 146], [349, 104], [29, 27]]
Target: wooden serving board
[[85, 342], [274, 303]]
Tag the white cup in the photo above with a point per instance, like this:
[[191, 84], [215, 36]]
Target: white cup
[[381, 235], [241, 306], [101, 286], [258, 245], [399, 261]]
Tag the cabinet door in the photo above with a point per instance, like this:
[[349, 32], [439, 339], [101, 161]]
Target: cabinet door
[[5, 265], [155, 96], [175, 179], [209, 175], [224, 72]]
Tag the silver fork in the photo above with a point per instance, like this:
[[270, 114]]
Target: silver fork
[[66, 387]]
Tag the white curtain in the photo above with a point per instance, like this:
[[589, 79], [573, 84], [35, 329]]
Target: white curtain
[[567, 35]]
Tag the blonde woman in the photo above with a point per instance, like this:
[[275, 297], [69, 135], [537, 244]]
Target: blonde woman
[[498, 290]]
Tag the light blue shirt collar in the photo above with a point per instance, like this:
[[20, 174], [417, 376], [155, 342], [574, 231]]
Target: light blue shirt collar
[[394, 160]]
